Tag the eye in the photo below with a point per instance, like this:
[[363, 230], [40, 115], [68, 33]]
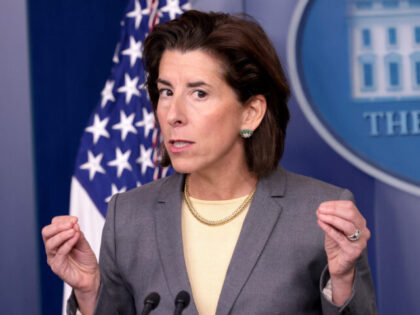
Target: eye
[[200, 94], [165, 92]]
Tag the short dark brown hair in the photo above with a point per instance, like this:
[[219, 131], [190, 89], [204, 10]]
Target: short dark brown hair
[[252, 68]]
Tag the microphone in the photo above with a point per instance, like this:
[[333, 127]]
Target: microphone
[[181, 302], [150, 303]]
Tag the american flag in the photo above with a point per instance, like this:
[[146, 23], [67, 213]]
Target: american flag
[[119, 148]]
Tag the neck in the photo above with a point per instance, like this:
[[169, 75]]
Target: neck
[[221, 186]]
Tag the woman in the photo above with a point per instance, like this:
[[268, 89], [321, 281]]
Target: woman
[[239, 233]]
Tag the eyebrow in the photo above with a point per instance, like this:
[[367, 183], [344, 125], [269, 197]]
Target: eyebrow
[[197, 84], [164, 82], [191, 84]]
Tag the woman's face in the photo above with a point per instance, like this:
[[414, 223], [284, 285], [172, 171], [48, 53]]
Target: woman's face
[[199, 114]]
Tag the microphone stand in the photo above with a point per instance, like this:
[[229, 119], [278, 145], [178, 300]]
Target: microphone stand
[[182, 300], [150, 303]]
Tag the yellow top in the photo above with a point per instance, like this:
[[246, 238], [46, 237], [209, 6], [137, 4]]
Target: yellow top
[[208, 249]]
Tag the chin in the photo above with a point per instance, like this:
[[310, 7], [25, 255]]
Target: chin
[[183, 167]]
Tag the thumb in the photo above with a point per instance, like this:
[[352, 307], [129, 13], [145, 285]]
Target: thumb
[[84, 255], [82, 244]]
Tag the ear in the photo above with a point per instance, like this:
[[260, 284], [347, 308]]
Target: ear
[[254, 112]]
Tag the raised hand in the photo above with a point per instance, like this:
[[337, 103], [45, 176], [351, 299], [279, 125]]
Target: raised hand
[[346, 237], [72, 259]]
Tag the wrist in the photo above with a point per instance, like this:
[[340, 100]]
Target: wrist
[[344, 278], [342, 287], [86, 297]]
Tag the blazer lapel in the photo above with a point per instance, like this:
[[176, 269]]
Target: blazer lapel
[[169, 237], [259, 222]]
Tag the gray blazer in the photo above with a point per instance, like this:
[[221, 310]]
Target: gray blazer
[[278, 265]]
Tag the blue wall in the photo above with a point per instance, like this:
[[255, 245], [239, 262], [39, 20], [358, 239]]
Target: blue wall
[[19, 281]]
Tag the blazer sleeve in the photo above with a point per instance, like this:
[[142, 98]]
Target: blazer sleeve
[[114, 295], [362, 301]]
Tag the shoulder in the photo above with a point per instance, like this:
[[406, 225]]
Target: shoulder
[[144, 198], [152, 190], [137, 207], [296, 186], [300, 184]]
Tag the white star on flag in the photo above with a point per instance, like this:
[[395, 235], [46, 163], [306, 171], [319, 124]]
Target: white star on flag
[[107, 93], [148, 122], [172, 7], [98, 128], [145, 158], [93, 164], [134, 51], [137, 13], [129, 88], [125, 125], [115, 190], [121, 161]]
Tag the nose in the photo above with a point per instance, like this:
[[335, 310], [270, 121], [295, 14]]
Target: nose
[[176, 115]]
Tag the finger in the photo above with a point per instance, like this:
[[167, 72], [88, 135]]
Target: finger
[[64, 218], [342, 208], [338, 223], [352, 248], [334, 203], [331, 232], [52, 229], [52, 245], [83, 244], [69, 244]]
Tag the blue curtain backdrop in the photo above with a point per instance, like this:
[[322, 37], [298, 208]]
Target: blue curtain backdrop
[[71, 48]]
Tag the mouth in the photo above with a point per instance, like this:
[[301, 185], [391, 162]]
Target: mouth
[[177, 146]]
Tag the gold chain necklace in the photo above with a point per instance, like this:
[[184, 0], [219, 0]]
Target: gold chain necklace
[[225, 220]]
